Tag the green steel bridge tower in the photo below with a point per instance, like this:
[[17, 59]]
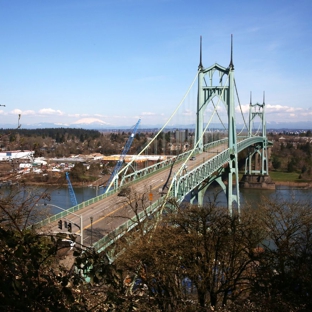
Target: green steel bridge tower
[[224, 91]]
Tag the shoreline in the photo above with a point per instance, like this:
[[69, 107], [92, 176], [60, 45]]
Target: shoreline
[[305, 185]]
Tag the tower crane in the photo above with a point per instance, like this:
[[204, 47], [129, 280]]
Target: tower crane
[[71, 191], [123, 155]]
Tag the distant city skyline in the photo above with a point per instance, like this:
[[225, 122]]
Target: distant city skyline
[[113, 62]]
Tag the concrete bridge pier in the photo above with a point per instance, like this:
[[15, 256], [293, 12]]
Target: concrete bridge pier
[[257, 181]]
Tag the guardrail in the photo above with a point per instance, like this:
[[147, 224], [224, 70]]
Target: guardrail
[[127, 226], [73, 209], [143, 173], [167, 163]]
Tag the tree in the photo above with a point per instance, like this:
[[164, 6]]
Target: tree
[[276, 163], [284, 273], [196, 252], [29, 280], [32, 278]]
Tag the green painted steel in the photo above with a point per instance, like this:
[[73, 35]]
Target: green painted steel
[[182, 186], [224, 92], [197, 180], [135, 176], [258, 110], [121, 230], [73, 209]]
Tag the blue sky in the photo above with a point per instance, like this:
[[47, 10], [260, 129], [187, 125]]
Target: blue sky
[[68, 61]]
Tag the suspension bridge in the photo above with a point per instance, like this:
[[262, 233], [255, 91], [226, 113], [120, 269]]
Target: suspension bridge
[[102, 220]]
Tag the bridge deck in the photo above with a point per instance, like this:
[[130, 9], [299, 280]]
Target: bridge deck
[[113, 211]]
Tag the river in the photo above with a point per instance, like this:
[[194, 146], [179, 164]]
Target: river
[[254, 197], [60, 195]]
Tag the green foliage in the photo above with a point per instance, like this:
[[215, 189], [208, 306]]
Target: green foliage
[[196, 257], [291, 165], [292, 156], [77, 172], [276, 163], [54, 133], [284, 176]]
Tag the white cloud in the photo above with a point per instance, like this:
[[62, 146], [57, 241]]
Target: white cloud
[[74, 115], [244, 108], [50, 111], [188, 112], [148, 114], [16, 111], [28, 112]]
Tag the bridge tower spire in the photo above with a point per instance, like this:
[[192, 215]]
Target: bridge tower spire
[[258, 110], [199, 111], [225, 93], [232, 137]]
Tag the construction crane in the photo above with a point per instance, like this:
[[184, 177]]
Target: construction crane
[[122, 155], [71, 191]]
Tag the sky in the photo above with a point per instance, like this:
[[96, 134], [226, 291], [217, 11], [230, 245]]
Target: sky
[[115, 61]]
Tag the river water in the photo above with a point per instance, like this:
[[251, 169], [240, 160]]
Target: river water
[[254, 197], [60, 195]]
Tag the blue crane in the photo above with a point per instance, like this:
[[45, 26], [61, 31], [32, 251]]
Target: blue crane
[[123, 154], [71, 191]]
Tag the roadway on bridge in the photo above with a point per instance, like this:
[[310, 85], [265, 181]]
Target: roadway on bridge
[[114, 210]]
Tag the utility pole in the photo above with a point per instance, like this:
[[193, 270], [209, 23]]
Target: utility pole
[[91, 220]]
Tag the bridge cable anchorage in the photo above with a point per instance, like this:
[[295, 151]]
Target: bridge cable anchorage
[[164, 126], [194, 148], [240, 106]]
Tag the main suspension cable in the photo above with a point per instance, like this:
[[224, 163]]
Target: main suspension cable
[[240, 106], [153, 139]]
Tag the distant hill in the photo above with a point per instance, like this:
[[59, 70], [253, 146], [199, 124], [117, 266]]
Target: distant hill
[[102, 126]]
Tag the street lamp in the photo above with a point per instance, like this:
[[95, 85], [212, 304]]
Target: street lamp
[[80, 216], [91, 219]]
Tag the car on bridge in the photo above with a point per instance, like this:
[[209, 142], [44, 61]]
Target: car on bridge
[[193, 158]]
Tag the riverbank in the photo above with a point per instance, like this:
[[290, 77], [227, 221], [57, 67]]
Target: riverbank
[[304, 185], [290, 179]]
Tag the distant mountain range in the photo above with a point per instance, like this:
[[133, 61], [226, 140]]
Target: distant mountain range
[[101, 126]]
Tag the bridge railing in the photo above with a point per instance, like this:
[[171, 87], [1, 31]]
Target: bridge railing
[[128, 178], [190, 180], [73, 209], [249, 141], [127, 226], [168, 162], [121, 230]]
